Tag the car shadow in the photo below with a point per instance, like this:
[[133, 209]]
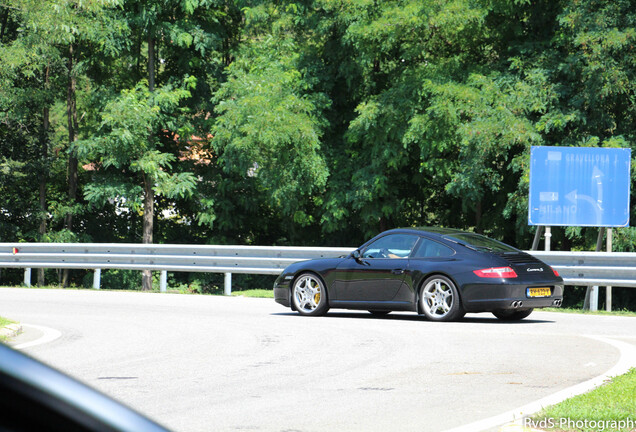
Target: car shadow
[[494, 320], [396, 316]]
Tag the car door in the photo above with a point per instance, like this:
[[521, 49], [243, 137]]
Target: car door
[[378, 270], [427, 257]]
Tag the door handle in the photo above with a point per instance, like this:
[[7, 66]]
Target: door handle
[[397, 271]]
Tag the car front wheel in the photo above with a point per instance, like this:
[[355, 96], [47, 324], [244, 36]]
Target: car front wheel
[[512, 315], [439, 299], [309, 295]]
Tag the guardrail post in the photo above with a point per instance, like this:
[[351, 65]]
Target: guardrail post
[[163, 281], [594, 298], [97, 278], [27, 277], [227, 289]]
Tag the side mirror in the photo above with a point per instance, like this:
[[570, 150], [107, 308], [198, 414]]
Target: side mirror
[[356, 255]]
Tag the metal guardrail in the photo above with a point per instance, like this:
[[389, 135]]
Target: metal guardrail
[[616, 269], [176, 258], [186, 258]]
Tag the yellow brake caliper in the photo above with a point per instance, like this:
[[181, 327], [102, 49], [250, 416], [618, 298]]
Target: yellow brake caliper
[[317, 297]]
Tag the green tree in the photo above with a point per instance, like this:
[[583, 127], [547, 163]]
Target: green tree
[[269, 126], [39, 45], [426, 137], [173, 58], [127, 151]]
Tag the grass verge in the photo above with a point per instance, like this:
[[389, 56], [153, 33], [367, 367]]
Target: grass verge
[[587, 312], [609, 408], [263, 293], [3, 323]]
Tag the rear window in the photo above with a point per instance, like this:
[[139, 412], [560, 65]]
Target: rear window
[[480, 242], [432, 249]]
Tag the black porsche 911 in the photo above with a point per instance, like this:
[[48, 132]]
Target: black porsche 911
[[439, 272]]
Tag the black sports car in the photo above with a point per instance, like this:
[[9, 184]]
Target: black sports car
[[441, 273]]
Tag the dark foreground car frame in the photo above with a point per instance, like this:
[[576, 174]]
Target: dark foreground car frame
[[36, 397], [441, 273]]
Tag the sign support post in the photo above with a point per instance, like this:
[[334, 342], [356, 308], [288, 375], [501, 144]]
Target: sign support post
[[591, 295], [537, 238], [608, 290]]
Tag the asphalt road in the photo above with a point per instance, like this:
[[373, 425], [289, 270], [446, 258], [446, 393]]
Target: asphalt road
[[210, 363]]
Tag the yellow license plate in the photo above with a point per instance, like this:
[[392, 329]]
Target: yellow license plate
[[539, 292]]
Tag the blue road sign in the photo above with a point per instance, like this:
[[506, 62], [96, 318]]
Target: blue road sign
[[579, 186]]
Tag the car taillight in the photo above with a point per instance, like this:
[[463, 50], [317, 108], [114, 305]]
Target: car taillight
[[496, 272], [556, 273]]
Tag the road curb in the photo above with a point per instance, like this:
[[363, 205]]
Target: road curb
[[11, 331], [513, 418]]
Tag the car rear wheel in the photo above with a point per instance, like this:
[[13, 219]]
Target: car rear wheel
[[512, 315], [309, 295], [439, 299]]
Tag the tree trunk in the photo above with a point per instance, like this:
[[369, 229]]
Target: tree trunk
[[3, 26], [478, 214], [151, 64], [71, 114], [44, 151], [383, 224], [149, 211], [149, 193]]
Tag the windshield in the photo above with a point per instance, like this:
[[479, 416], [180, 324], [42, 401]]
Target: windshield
[[480, 242]]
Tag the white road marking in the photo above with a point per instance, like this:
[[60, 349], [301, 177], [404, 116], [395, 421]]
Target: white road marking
[[49, 335], [625, 363]]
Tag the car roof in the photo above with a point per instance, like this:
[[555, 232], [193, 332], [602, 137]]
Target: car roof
[[434, 231]]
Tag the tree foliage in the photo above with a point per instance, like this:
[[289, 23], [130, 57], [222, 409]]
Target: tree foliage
[[270, 124], [124, 154], [308, 122]]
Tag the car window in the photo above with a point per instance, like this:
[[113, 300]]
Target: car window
[[480, 242], [432, 249], [391, 246]]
